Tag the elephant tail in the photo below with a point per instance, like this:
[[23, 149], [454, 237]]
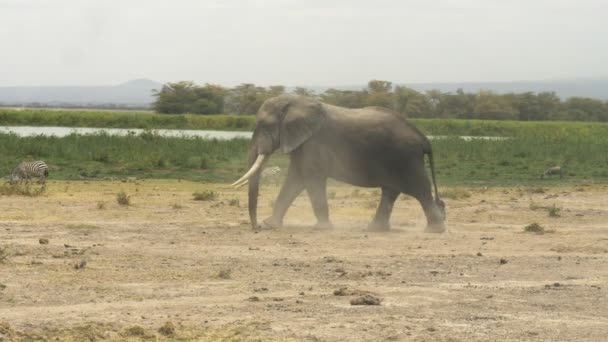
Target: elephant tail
[[429, 152]]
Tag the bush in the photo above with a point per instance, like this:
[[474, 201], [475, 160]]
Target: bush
[[534, 228], [206, 195], [123, 199], [21, 190], [554, 211]]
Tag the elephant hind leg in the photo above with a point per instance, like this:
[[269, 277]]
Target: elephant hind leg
[[381, 221], [419, 186]]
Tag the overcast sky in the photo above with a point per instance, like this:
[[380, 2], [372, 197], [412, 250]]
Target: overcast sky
[[300, 42]]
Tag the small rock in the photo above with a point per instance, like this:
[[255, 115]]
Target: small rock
[[43, 241], [254, 299], [503, 261], [479, 254]]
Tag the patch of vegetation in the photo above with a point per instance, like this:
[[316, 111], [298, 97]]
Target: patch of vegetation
[[23, 189], [455, 193], [534, 228], [554, 211], [4, 254], [127, 119], [168, 329], [82, 227], [176, 206], [371, 204], [134, 330], [581, 147], [234, 202], [123, 199], [205, 195], [224, 273], [101, 205]]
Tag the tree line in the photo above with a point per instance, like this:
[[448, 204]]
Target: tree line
[[188, 97]]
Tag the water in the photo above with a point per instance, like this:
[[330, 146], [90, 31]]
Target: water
[[27, 131]]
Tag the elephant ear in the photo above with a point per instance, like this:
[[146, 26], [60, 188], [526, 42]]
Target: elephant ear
[[302, 119]]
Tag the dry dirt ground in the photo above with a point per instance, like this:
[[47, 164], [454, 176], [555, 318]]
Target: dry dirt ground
[[168, 267]]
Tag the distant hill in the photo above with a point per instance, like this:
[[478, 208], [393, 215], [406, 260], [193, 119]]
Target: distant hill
[[136, 93], [593, 88]]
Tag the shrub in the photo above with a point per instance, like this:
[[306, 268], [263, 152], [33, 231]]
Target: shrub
[[554, 211], [534, 228], [205, 195], [123, 199]]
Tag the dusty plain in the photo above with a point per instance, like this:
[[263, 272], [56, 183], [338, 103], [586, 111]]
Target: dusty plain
[[75, 265]]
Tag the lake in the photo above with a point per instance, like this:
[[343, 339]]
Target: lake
[[27, 131]]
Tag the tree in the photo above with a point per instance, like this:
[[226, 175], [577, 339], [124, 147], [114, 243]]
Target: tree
[[344, 98], [304, 92], [585, 109], [247, 97], [459, 105], [412, 103], [378, 93], [493, 107], [187, 97]]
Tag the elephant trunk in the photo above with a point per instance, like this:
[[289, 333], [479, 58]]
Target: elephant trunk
[[254, 187]]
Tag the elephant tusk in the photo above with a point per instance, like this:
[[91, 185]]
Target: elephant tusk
[[241, 184], [256, 166]]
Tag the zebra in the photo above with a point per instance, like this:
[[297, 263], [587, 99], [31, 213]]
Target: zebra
[[26, 170], [554, 170]]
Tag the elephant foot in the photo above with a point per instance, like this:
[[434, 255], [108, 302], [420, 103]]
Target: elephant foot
[[378, 226], [324, 225], [271, 223], [435, 228]]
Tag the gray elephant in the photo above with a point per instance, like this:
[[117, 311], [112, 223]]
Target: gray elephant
[[368, 147]]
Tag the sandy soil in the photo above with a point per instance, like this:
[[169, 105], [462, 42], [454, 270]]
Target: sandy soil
[[169, 267]]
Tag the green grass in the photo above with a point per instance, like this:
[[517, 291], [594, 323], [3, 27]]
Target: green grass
[[147, 120], [580, 148], [143, 156], [111, 119]]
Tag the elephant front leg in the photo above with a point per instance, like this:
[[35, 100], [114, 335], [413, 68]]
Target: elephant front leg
[[381, 221], [317, 192], [292, 187]]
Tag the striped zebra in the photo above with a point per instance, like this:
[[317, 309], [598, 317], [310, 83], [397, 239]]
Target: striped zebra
[[26, 170]]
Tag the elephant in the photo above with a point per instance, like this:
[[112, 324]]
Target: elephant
[[371, 147]]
